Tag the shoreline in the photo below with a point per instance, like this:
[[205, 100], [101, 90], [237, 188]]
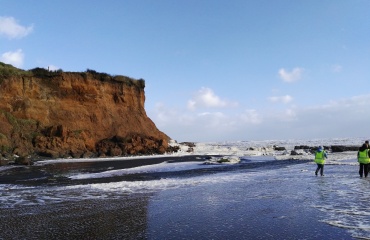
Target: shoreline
[[48, 172]]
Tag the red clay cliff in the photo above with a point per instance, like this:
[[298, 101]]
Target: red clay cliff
[[64, 114]]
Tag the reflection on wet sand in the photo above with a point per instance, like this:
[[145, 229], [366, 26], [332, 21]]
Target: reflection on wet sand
[[123, 218]]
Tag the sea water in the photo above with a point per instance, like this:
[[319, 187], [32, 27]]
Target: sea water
[[284, 203], [259, 197]]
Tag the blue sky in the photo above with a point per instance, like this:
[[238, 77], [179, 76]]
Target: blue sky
[[214, 70]]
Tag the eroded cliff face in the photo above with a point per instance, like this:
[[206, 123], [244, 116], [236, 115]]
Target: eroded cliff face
[[76, 114]]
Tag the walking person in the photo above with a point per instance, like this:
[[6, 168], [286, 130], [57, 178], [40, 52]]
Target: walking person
[[320, 156], [363, 157]]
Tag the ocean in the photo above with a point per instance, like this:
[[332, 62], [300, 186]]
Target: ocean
[[259, 193]]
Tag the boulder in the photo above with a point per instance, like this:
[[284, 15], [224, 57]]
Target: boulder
[[277, 148], [341, 148]]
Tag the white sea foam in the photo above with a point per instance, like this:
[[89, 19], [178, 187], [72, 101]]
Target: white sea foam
[[161, 167], [4, 168], [164, 183], [14, 195], [239, 149]]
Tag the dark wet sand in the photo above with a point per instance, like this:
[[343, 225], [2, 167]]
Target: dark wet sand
[[127, 218], [86, 219]]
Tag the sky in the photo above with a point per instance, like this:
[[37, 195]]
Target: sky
[[214, 70]]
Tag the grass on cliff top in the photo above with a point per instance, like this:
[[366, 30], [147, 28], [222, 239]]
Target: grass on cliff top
[[7, 70], [118, 78]]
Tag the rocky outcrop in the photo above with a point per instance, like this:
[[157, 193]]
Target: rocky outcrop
[[332, 148], [341, 148], [64, 114]]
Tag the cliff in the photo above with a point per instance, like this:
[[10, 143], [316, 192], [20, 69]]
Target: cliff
[[82, 114]]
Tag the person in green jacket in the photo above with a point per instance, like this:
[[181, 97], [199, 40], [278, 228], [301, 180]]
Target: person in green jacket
[[320, 156], [363, 157]]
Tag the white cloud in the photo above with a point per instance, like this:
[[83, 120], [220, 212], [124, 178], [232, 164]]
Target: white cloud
[[346, 117], [292, 76], [283, 99], [14, 58], [185, 125], [251, 116], [336, 68], [206, 98], [288, 115], [214, 120], [11, 29], [356, 102]]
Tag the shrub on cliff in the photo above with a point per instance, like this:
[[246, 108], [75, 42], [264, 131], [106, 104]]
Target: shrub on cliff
[[99, 75], [130, 81], [7, 70], [140, 83], [44, 73]]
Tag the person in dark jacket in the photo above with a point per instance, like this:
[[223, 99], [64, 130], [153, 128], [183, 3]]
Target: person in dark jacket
[[363, 157]]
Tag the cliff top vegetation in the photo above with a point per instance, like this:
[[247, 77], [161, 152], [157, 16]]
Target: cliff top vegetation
[[7, 70]]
